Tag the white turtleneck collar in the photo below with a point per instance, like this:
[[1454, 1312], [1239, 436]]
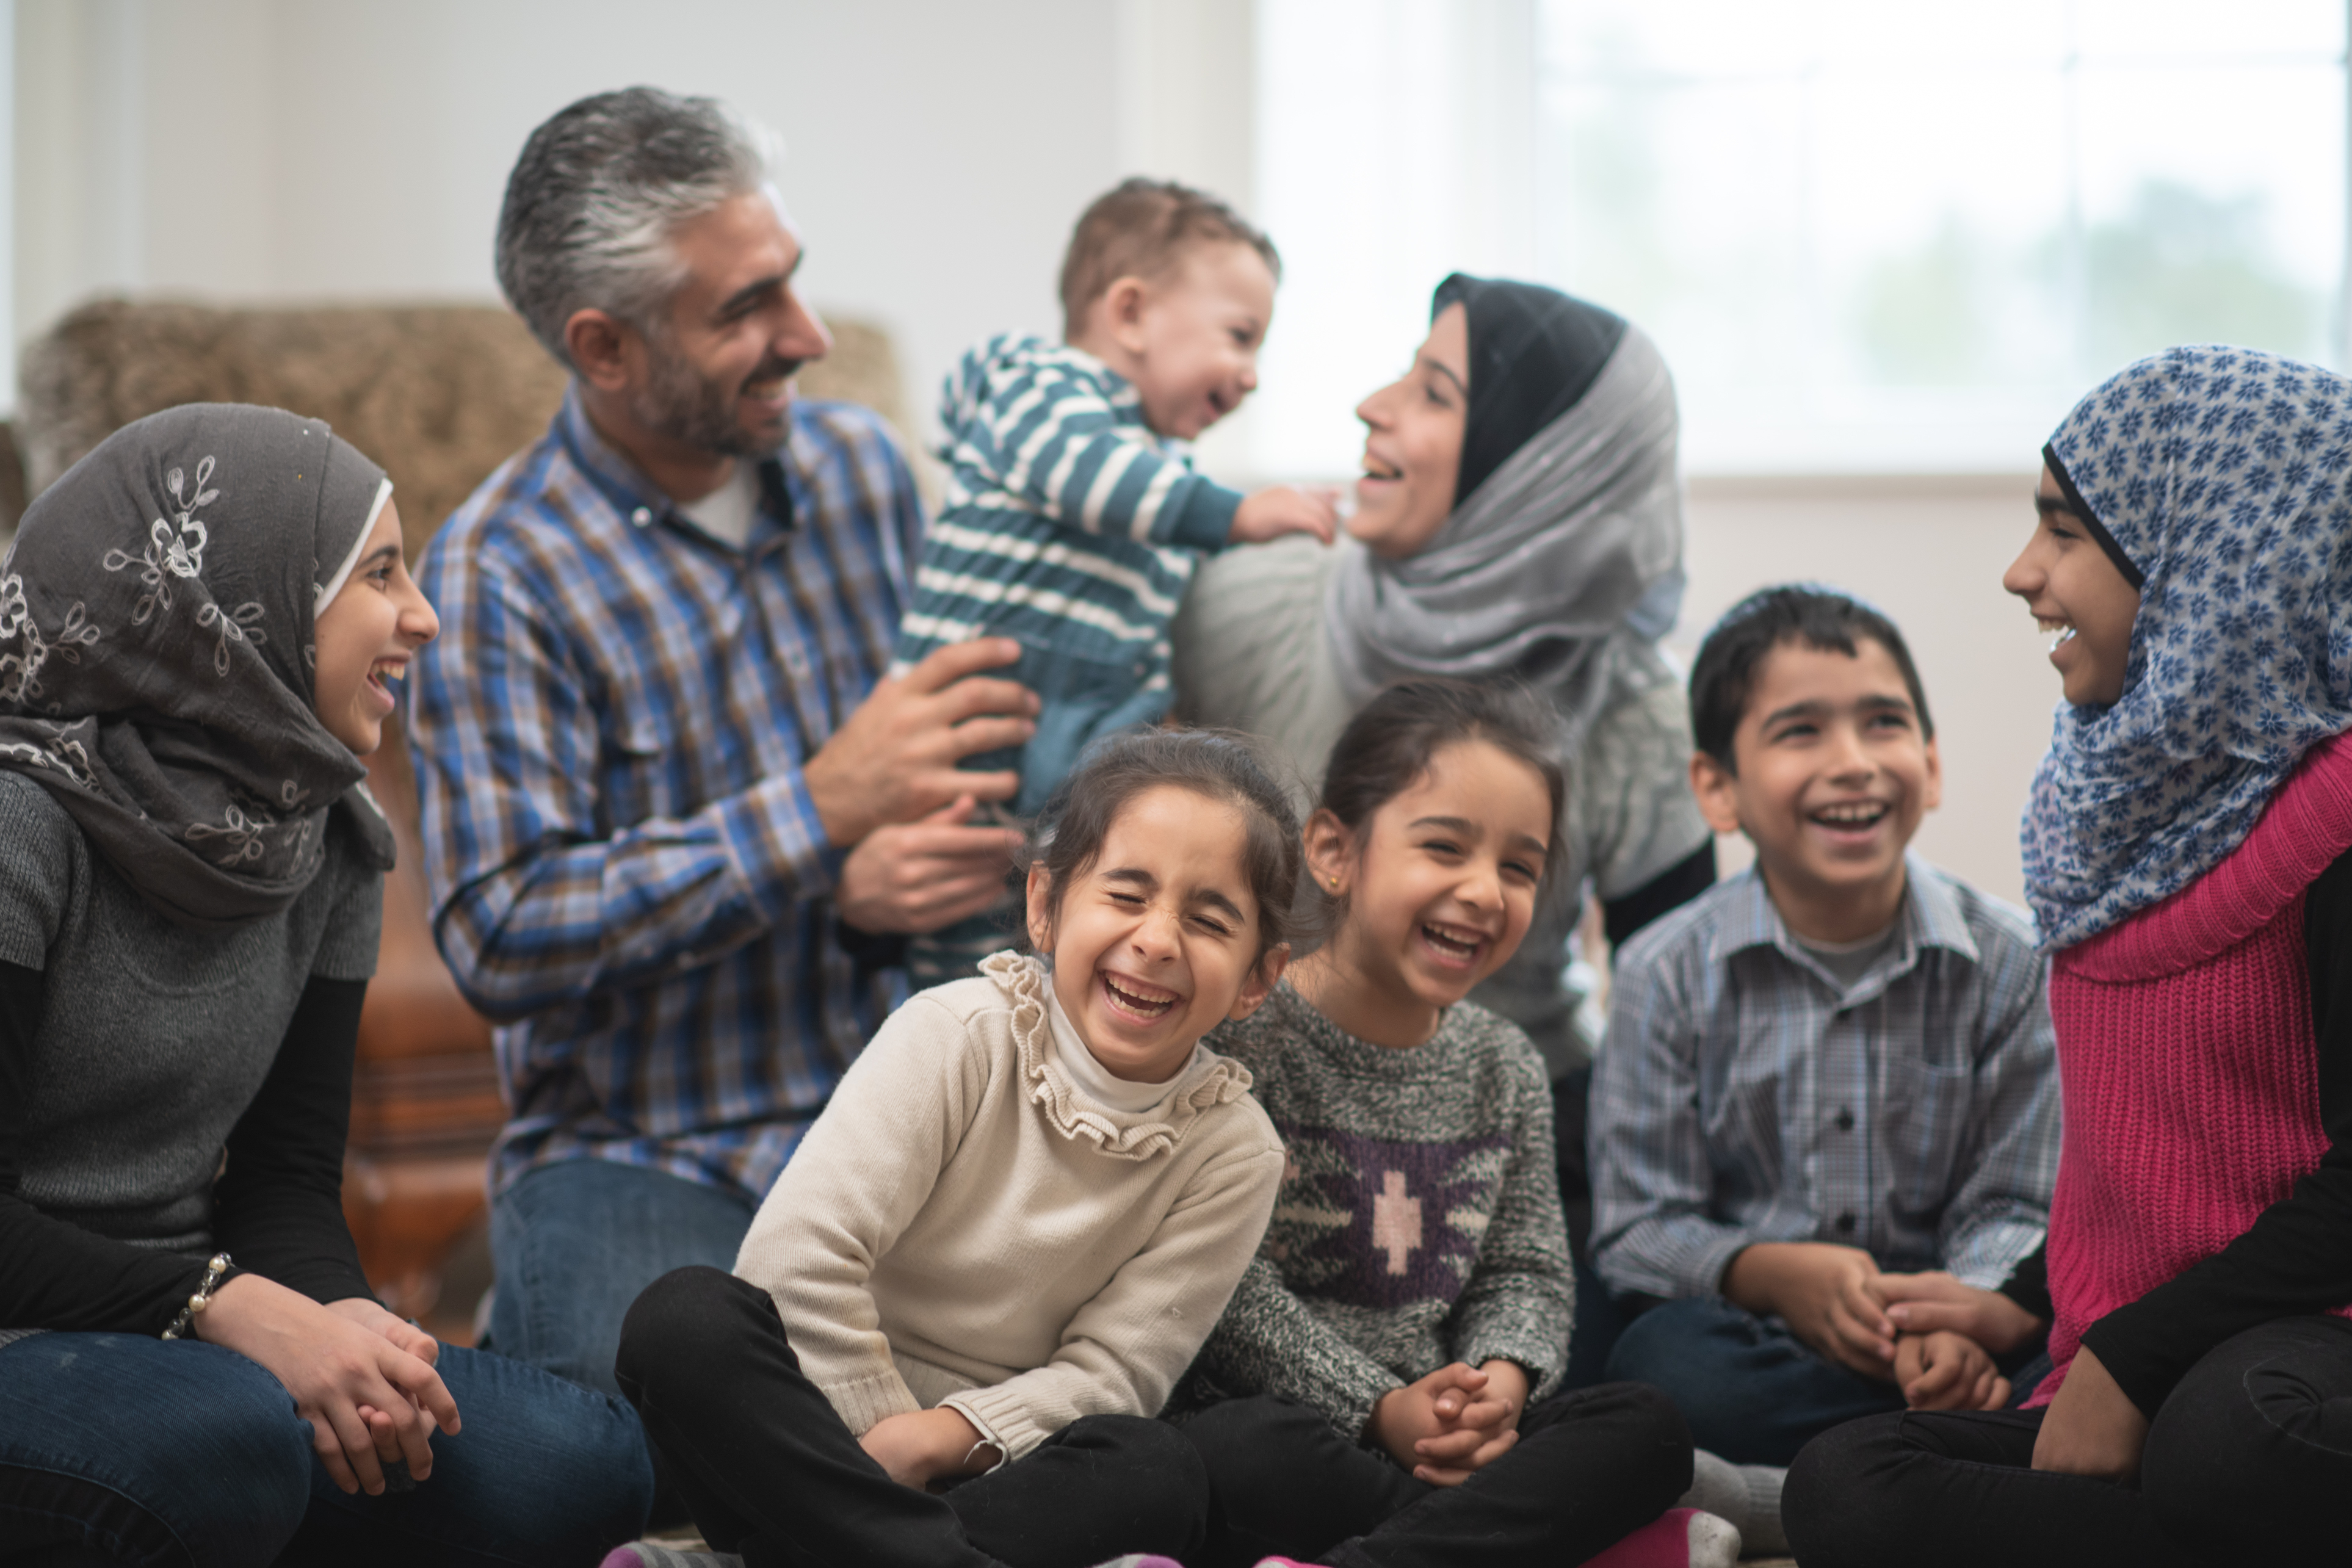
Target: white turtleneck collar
[[1095, 1080]]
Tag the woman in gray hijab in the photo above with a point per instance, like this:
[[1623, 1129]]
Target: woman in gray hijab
[[1519, 516], [199, 626]]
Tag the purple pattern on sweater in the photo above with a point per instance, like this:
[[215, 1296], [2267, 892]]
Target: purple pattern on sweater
[[1374, 1223]]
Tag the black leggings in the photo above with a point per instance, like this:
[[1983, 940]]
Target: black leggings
[[1588, 1467], [771, 1471], [2249, 1461]]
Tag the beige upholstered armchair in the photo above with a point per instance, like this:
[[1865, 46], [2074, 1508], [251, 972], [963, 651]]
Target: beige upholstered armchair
[[440, 394]]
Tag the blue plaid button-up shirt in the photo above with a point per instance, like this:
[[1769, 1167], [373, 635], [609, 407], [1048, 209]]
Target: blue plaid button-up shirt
[[626, 867], [1745, 1095]]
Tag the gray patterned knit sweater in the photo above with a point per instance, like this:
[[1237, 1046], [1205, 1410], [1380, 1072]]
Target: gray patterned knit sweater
[[1419, 1220]]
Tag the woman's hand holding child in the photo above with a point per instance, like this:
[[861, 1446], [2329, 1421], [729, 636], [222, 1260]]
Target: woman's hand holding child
[[919, 1446], [1454, 1422], [368, 1399]]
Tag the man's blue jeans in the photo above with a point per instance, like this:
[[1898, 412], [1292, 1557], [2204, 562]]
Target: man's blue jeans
[[177, 1454], [1751, 1391], [575, 1242]]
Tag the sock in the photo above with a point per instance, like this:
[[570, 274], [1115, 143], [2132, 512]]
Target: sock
[[1746, 1495], [1679, 1538], [1283, 1563], [646, 1554]]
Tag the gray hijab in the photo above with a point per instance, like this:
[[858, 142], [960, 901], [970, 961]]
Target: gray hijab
[[1561, 564], [156, 644]]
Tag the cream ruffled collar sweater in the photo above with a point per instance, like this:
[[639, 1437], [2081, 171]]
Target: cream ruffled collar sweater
[[965, 1226]]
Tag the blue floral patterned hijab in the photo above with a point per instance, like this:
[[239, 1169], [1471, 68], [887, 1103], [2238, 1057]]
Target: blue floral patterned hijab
[[2217, 479]]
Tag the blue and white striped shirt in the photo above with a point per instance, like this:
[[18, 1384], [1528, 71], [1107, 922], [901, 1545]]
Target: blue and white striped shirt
[[627, 866], [1067, 525], [1744, 1095]]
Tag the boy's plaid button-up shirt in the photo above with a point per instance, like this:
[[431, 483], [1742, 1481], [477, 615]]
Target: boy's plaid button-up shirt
[[1744, 1095], [626, 867]]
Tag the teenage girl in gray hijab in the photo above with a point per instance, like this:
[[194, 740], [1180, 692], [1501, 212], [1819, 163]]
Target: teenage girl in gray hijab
[[1519, 516], [200, 627]]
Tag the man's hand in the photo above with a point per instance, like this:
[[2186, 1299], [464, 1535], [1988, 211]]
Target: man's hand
[[893, 759], [1450, 1423], [367, 1400], [1827, 1294], [1926, 1304], [920, 876], [1287, 509], [1948, 1370], [2092, 1429], [920, 1447]]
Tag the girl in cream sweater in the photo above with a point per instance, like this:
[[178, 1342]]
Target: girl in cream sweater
[[1014, 1224]]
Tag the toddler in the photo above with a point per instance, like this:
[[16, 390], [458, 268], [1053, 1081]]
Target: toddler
[[1073, 517], [1017, 1218]]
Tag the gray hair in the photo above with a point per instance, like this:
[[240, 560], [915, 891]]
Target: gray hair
[[590, 204]]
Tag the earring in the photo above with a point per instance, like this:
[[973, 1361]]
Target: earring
[[1335, 885]]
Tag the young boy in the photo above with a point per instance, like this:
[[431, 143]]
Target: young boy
[[1834, 1067], [1073, 517]]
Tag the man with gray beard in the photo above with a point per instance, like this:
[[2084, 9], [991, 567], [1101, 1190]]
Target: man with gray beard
[[673, 818]]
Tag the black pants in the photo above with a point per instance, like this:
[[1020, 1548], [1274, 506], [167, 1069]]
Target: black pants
[[2249, 1461], [1589, 1467], [771, 1471]]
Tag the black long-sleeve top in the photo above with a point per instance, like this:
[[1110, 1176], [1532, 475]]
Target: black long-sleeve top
[[278, 1207]]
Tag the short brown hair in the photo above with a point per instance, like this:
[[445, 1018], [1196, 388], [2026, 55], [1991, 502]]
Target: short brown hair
[[1141, 229], [1803, 614]]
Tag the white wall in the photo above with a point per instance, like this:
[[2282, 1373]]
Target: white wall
[[938, 151]]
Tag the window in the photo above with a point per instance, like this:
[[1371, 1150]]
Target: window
[[1866, 236]]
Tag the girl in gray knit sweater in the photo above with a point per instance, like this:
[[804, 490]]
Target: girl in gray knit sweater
[[1382, 1388]]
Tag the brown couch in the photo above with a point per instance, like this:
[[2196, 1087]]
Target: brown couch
[[440, 394]]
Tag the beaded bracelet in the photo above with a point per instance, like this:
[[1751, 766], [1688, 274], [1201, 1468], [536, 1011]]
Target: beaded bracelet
[[214, 1267]]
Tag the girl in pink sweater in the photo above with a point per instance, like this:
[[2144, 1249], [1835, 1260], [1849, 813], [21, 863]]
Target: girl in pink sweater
[[2186, 856]]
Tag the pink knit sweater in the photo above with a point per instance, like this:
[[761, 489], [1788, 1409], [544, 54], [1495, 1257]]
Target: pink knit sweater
[[2185, 1050]]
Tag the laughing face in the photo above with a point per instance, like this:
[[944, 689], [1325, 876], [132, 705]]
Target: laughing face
[[2079, 597], [366, 637], [1440, 884], [1193, 335], [1412, 443], [1156, 942], [1834, 774], [715, 378]]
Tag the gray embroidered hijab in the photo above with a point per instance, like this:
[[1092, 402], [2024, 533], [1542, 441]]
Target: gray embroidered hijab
[[157, 644], [1561, 561]]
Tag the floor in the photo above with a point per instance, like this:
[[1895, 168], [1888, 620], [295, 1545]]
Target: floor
[[689, 1541]]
